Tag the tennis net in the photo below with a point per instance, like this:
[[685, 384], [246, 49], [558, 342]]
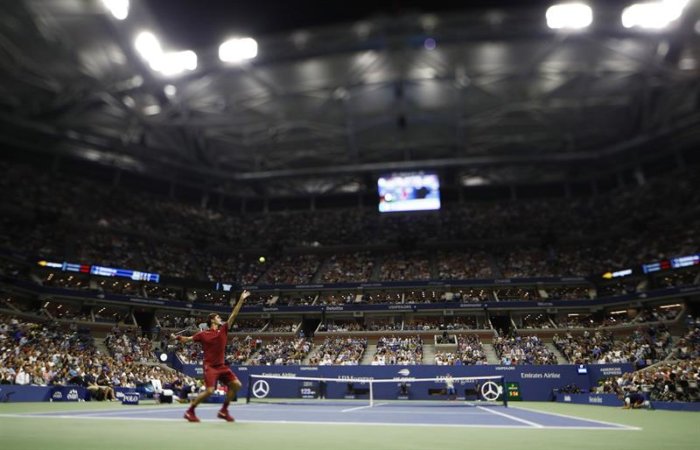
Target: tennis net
[[488, 390]]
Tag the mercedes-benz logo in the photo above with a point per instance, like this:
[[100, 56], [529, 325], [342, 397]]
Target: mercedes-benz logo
[[261, 388], [490, 391]]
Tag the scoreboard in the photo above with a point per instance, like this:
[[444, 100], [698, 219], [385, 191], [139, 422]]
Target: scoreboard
[[310, 389], [513, 391], [102, 271]]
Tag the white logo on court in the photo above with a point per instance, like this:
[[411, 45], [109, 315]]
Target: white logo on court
[[261, 388], [490, 391]]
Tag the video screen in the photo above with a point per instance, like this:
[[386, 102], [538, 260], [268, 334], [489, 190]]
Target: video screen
[[414, 191]]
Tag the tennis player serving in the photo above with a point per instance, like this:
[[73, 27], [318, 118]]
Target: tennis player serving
[[213, 343]]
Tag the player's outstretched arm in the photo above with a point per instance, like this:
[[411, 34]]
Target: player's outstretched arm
[[237, 308], [177, 337]]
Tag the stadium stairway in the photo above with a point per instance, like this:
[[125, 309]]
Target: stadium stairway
[[101, 346], [369, 354], [560, 358], [428, 352], [322, 268], [307, 358], [491, 356]]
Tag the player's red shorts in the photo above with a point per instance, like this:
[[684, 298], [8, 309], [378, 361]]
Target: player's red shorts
[[221, 373]]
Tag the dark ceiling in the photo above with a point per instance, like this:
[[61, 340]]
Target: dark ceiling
[[500, 99]]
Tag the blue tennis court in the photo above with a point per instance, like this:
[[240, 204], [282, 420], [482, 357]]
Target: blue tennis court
[[389, 413]]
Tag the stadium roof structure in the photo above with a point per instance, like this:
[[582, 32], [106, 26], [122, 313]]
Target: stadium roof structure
[[490, 95]]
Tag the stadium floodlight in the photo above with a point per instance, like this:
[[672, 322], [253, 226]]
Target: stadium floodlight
[[118, 8], [174, 63], [571, 16], [238, 49], [151, 110], [653, 16], [167, 63], [147, 45], [170, 90]]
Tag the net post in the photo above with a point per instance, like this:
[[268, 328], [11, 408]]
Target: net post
[[250, 389], [505, 391], [371, 393]]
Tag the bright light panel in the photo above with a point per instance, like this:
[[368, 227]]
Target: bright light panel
[[238, 49], [174, 63], [653, 16], [118, 8], [572, 16], [167, 63], [148, 46], [170, 90], [151, 110]]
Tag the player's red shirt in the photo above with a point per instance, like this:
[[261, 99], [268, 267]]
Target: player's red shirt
[[214, 344]]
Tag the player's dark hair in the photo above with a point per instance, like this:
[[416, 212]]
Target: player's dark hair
[[210, 318]]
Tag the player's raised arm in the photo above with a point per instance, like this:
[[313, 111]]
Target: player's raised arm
[[237, 308], [180, 338]]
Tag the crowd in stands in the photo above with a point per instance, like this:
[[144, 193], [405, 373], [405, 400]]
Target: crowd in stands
[[390, 324], [404, 266], [614, 318], [470, 351], [476, 295], [423, 324], [659, 313], [246, 325], [155, 234], [471, 295], [336, 325], [533, 321], [643, 347], [339, 351], [296, 269], [178, 321], [672, 381], [66, 311], [296, 300], [515, 294], [336, 299], [688, 347], [519, 350], [353, 267], [45, 354], [128, 345], [282, 326], [164, 292], [462, 265], [398, 350], [147, 232], [677, 278], [382, 297], [567, 293], [440, 323], [669, 382], [281, 352]]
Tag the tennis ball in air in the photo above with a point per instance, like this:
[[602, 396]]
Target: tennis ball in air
[[261, 259]]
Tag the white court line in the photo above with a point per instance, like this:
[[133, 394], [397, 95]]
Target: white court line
[[30, 416], [307, 422], [394, 412], [287, 422], [508, 416], [628, 427], [126, 410], [357, 408]]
